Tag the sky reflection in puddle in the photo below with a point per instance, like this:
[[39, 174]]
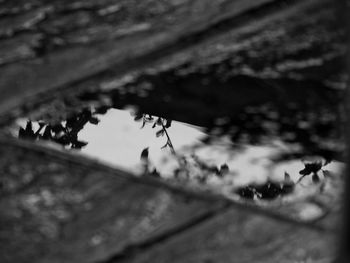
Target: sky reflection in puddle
[[119, 140], [234, 135], [217, 164]]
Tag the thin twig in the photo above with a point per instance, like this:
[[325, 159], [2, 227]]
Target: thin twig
[[168, 140]]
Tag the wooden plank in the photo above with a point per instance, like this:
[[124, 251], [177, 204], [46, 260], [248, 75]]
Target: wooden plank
[[55, 210], [239, 236], [304, 41], [289, 50], [77, 62]]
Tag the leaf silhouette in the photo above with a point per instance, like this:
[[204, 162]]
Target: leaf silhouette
[[310, 168], [144, 154], [168, 123], [78, 144], [57, 128], [21, 133], [159, 121], [26, 134], [47, 133], [327, 174], [148, 118], [165, 145], [29, 127], [315, 178], [138, 117], [155, 173], [94, 120], [224, 169], [160, 133]]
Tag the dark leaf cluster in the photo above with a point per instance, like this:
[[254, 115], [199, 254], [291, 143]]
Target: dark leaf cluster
[[268, 191], [65, 134]]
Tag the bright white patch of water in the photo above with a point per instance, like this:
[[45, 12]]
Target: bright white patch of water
[[119, 140]]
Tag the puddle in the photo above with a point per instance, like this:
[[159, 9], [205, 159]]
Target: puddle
[[237, 136]]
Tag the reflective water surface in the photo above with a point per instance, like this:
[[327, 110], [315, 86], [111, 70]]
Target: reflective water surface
[[236, 136]]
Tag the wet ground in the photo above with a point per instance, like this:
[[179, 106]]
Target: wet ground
[[217, 127], [238, 136]]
